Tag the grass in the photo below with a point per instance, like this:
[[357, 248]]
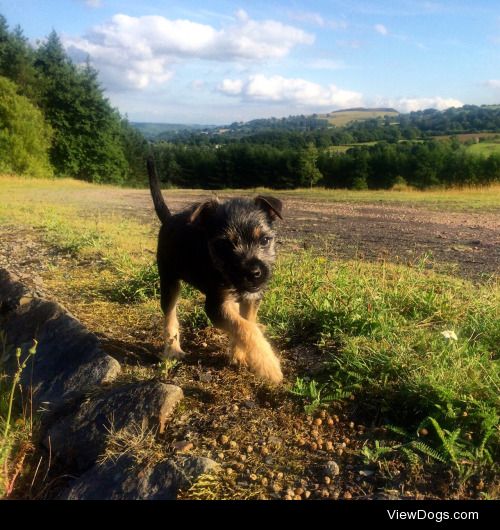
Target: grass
[[485, 148], [16, 421], [342, 118], [378, 326]]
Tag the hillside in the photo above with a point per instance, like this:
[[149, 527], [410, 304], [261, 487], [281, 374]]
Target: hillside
[[340, 118]]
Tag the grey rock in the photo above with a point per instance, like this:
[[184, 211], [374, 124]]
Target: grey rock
[[80, 437], [124, 480], [331, 468], [69, 360]]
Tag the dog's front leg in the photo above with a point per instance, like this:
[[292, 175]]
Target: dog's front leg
[[169, 295], [249, 346]]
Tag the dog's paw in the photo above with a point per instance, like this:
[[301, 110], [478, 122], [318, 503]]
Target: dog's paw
[[268, 367], [172, 352]]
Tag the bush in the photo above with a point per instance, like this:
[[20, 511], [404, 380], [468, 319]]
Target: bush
[[24, 136]]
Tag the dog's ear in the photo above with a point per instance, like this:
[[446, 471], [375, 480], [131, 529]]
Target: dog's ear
[[270, 205], [203, 212]]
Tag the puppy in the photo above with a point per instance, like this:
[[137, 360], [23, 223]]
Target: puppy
[[226, 250]]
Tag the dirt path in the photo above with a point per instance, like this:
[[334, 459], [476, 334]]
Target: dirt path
[[467, 243]]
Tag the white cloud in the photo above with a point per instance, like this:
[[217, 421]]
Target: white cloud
[[297, 91], [406, 104], [310, 17], [135, 52], [493, 83], [380, 28]]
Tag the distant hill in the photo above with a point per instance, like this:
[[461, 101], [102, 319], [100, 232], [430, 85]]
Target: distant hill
[[340, 118], [153, 130]]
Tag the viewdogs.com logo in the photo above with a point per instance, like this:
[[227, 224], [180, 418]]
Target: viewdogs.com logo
[[432, 516]]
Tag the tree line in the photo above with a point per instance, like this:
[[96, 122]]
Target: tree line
[[380, 166], [55, 119]]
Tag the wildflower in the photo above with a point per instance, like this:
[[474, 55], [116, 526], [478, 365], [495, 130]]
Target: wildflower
[[449, 334]]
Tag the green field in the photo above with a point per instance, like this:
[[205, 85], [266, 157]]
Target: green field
[[343, 117], [485, 148], [379, 330]]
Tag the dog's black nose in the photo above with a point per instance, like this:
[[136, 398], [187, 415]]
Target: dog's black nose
[[255, 273]]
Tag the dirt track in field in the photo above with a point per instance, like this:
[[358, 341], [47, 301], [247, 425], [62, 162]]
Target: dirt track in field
[[466, 243]]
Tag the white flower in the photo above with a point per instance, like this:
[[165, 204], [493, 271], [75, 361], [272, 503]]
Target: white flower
[[449, 334]]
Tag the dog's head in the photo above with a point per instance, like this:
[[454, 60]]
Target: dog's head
[[241, 238]]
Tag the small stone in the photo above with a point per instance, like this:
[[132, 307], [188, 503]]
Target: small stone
[[314, 433], [347, 495], [327, 480], [347, 441], [264, 481], [277, 488], [313, 446], [340, 451], [329, 446], [220, 456], [249, 404], [297, 498], [182, 446], [229, 470], [351, 425], [279, 475], [253, 477], [334, 495], [233, 444], [307, 494], [318, 422], [224, 439], [288, 498], [235, 408], [343, 445], [290, 492], [206, 377], [264, 451], [336, 418], [301, 442], [332, 468], [319, 441], [249, 449], [325, 493], [298, 491], [423, 432], [330, 422], [243, 457]]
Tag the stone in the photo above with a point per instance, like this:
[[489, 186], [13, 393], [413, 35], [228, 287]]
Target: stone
[[124, 480], [80, 437], [331, 468], [68, 361]]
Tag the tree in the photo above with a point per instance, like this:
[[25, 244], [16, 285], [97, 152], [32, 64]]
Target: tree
[[87, 130], [24, 134]]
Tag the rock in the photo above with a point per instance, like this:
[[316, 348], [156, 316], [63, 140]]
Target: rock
[[124, 480], [183, 446], [205, 377], [331, 468], [69, 360], [248, 404], [79, 438]]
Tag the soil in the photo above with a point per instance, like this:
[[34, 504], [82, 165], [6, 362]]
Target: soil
[[268, 447]]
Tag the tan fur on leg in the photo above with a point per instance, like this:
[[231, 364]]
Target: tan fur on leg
[[249, 308], [250, 348], [172, 337]]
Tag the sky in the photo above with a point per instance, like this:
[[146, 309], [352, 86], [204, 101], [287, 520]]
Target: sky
[[216, 62]]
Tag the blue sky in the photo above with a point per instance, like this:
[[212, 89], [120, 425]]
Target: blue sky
[[222, 61]]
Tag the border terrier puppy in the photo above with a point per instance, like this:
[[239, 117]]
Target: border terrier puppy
[[225, 250]]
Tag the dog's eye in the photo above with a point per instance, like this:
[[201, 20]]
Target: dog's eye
[[264, 241]]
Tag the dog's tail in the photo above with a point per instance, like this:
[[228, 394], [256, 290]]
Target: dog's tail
[[154, 185]]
